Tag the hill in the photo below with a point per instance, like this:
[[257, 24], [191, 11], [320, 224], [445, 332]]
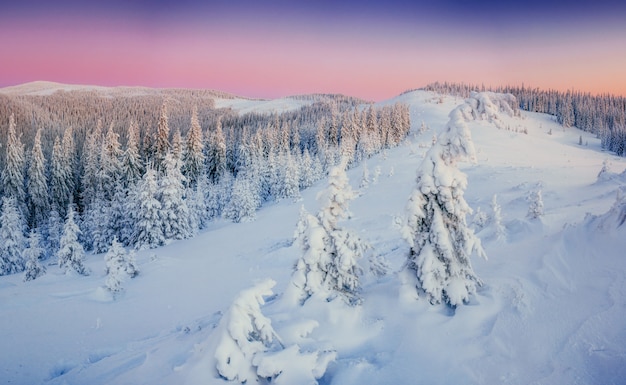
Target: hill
[[551, 309]]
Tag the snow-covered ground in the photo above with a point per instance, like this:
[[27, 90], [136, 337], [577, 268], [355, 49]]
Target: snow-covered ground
[[551, 310], [245, 106]]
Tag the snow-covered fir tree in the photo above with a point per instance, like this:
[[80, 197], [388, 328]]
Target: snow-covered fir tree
[[13, 172], [38, 199], [246, 334], [329, 262], [291, 174], [243, 200], [193, 155], [365, 177], [435, 227], [496, 218], [131, 161], [91, 165], [535, 206], [162, 142], [174, 213], [55, 229], [11, 237], [148, 229], [32, 255], [71, 254], [216, 153], [60, 178], [118, 266]]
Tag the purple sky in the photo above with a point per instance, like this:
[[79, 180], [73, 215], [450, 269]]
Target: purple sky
[[374, 50]]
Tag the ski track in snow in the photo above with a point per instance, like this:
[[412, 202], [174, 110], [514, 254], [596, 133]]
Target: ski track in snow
[[552, 308]]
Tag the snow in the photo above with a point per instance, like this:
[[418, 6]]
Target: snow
[[551, 309], [245, 106]]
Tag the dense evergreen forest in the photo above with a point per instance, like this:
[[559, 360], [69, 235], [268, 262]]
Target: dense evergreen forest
[[82, 170], [603, 115]]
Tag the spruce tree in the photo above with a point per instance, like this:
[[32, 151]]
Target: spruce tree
[[193, 156], [11, 237], [13, 172], [440, 240], [329, 262], [38, 199], [175, 216], [148, 229], [162, 145], [131, 160], [32, 255], [71, 254]]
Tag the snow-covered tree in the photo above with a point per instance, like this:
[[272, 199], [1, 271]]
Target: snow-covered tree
[[148, 229], [131, 161], [216, 153], [330, 254], [55, 229], [365, 177], [32, 255], [174, 213], [243, 200], [11, 237], [92, 149], [13, 172], [193, 156], [496, 218], [291, 175], [71, 254], [60, 179], [435, 227], [38, 200], [162, 143], [119, 265], [535, 207], [247, 333]]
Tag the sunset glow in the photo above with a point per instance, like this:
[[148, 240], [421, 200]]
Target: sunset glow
[[370, 51]]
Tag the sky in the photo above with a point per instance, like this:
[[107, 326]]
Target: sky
[[370, 49]]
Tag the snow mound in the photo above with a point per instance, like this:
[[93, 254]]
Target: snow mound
[[489, 106], [614, 219]]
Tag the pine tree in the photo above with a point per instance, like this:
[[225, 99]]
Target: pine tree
[[32, 255], [216, 153], [38, 201], [119, 265], [243, 200], [60, 180], [131, 161], [247, 334], [193, 156], [71, 254], [148, 229], [330, 254], [535, 208], [92, 149], [11, 237], [291, 182], [13, 172], [496, 218], [440, 240], [162, 145], [365, 177], [175, 216]]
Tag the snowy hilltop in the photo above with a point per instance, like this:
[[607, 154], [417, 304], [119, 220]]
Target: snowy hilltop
[[369, 270]]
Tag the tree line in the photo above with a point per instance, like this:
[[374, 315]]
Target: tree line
[[144, 185], [603, 115]]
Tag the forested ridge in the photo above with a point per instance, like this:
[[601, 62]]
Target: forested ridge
[[82, 169], [603, 115]]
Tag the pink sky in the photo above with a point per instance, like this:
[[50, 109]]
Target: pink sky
[[375, 61]]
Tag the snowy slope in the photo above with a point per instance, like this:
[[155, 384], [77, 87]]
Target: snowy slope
[[244, 106], [552, 309]]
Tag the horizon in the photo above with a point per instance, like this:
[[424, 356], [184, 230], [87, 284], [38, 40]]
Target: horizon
[[368, 50]]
